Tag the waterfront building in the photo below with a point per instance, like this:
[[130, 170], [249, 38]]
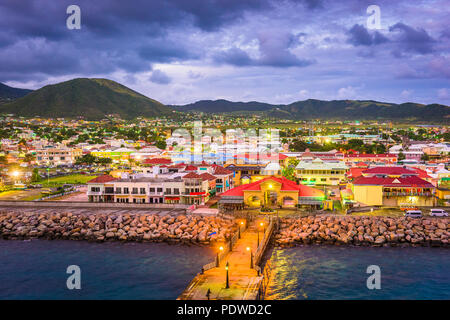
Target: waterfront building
[[319, 172], [101, 189], [189, 185], [393, 186], [275, 192]]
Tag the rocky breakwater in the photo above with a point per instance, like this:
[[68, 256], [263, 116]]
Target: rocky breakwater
[[127, 227], [359, 230]]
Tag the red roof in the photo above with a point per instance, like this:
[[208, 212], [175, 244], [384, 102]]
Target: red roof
[[286, 185], [355, 172], [362, 164], [207, 176], [178, 165], [389, 171], [158, 161], [191, 168], [192, 175], [102, 179], [369, 155], [412, 181], [422, 173], [218, 170]]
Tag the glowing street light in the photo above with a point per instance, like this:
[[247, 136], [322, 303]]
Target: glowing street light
[[227, 286], [263, 226], [239, 229], [217, 257], [251, 257]]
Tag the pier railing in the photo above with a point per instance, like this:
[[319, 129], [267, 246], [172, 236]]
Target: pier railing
[[263, 285], [266, 272], [265, 240], [226, 248]]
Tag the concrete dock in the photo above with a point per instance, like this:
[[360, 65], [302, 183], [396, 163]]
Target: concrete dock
[[244, 282]]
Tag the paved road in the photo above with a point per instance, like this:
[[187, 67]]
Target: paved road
[[242, 279]]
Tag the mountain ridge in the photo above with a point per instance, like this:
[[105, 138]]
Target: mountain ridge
[[325, 109], [92, 98], [8, 93]]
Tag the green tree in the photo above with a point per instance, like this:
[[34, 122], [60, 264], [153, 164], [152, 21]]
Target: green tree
[[86, 159], [401, 156], [425, 157], [28, 158], [293, 162], [161, 144], [35, 177], [289, 173]]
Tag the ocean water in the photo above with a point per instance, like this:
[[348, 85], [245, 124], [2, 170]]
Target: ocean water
[[37, 269], [339, 272]]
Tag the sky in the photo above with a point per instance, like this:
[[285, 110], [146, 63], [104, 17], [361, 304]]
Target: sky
[[275, 51]]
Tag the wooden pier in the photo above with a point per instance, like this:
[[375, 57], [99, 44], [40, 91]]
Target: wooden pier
[[246, 280]]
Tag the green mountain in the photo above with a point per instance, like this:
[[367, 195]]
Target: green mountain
[[7, 93], [90, 98], [335, 109], [221, 106]]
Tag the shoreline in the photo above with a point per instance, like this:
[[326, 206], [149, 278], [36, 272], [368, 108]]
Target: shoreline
[[363, 231], [199, 230], [98, 227]]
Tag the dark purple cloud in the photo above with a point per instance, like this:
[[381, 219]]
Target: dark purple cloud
[[272, 49], [410, 39], [360, 36]]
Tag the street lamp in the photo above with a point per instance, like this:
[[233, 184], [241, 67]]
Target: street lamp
[[217, 257], [251, 257], [227, 286], [15, 175], [239, 229]]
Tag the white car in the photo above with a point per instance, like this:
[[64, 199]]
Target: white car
[[438, 213], [413, 213]]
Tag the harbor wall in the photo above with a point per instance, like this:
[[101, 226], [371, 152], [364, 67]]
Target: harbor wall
[[361, 230]]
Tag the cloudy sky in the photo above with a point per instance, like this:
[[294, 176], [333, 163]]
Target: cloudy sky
[[277, 51]]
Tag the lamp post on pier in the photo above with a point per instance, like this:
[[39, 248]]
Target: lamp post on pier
[[251, 257], [227, 286], [217, 257]]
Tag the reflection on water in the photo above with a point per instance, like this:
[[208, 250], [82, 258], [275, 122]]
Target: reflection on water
[[37, 269], [330, 272]]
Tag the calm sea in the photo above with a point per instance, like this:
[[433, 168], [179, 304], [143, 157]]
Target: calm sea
[[331, 272], [37, 270]]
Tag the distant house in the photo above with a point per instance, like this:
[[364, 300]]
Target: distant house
[[319, 172]]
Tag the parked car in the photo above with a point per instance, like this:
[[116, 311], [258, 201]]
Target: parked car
[[438, 213], [413, 213]]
